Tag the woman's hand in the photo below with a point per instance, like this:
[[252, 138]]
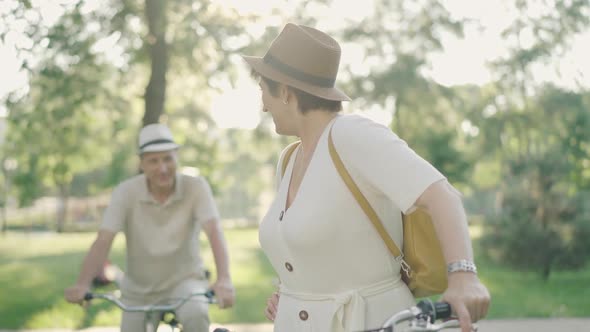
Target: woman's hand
[[271, 306], [225, 293], [468, 298]]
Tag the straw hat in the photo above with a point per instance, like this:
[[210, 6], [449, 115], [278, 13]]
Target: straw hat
[[304, 58]]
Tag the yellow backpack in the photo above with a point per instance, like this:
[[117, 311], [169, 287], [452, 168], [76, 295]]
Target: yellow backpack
[[424, 267]]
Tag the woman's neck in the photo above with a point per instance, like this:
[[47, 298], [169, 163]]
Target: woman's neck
[[311, 127]]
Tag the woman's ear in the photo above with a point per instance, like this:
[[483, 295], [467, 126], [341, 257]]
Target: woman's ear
[[284, 93]]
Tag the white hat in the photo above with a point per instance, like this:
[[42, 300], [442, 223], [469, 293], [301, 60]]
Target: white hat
[[156, 137]]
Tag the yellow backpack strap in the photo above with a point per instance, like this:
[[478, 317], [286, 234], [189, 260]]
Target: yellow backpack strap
[[362, 200], [287, 155]]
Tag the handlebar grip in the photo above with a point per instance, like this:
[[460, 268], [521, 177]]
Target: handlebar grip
[[443, 310], [435, 310], [210, 294], [88, 296]]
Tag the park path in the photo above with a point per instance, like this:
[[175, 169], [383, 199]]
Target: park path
[[493, 325]]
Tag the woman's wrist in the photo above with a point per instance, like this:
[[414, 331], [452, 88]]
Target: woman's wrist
[[462, 265]]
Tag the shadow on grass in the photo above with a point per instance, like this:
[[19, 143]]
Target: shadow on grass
[[32, 289]]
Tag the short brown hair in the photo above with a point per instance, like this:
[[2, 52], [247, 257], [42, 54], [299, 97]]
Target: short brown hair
[[305, 100]]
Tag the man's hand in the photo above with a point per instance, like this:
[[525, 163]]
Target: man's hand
[[271, 306], [225, 293], [93, 261], [75, 294]]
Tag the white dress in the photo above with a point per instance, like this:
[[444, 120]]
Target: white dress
[[336, 273]]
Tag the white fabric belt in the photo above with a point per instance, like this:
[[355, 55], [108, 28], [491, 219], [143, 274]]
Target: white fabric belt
[[354, 299]]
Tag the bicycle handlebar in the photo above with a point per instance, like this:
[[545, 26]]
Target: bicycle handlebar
[[422, 318], [209, 294], [435, 310]]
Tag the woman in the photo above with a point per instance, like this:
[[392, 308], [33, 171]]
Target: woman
[[336, 273]]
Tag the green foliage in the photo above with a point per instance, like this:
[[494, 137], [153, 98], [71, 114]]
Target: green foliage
[[27, 181], [540, 33], [543, 222], [77, 124], [167, 38], [540, 233], [248, 176], [397, 41], [53, 130], [441, 150], [536, 133], [195, 131]]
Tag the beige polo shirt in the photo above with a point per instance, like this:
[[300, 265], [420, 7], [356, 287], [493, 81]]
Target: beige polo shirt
[[162, 238]]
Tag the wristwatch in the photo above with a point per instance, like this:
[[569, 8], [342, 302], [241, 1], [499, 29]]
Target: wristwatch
[[462, 266]]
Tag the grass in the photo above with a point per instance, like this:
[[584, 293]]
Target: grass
[[525, 294], [519, 294], [36, 267]]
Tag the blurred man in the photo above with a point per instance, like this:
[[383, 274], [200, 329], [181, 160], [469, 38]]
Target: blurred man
[[161, 213]]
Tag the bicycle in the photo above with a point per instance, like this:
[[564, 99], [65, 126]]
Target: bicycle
[[166, 312], [421, 317]]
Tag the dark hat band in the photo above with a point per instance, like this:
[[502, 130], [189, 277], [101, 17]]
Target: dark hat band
[[298, 74], [157, 141]]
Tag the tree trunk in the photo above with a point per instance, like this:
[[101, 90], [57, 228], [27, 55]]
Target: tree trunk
[[4, 224], [155, 92], [499, 200], [5, 193], [4, 221], [62, 209], [546, 271]]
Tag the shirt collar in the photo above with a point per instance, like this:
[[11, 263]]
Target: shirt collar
[[146, 196]]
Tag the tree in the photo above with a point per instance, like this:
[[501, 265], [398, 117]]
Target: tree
[[176, 36], [544, 222], [155, 92], [536, 132], [397, 41], [56, 125], [190, 48], [77, 91]]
